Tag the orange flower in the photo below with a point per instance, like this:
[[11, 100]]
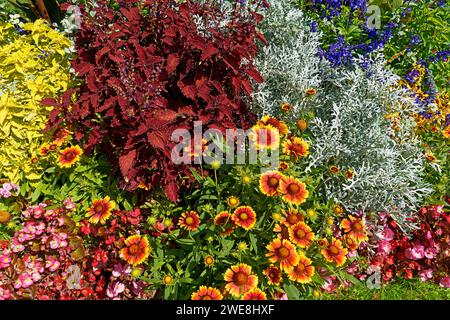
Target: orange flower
[[265, 136], [349, 174], [209, 261], [301, 234], [5, 216], [60, 136], [350, 242], [310, 91], [291, 217], [303, 271], [334, 170], [254, 294], [335, 252], [273, 275], [189, 220], [282, 231], [302, 125], [355, 227], [283, 166], [43, 151], [224, 220], [282, 251], [206, 293], [136, 250], [69, 156], [294, 191], [296, 147], [100, 210], [277, 124], [240, 279], [338, 209], [269, 183], [286, 107], [446, 132], [244, 217]]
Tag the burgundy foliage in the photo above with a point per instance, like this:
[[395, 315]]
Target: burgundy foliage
[[148, 68]]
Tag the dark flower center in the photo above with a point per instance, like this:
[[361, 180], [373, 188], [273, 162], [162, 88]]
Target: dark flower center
[[240, 278], [283, 252], [293, 188]]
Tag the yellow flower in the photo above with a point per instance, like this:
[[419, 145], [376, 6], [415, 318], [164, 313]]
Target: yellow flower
[[168, 279], [233, 201]]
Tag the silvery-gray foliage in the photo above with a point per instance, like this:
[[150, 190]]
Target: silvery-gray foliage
[[349, 128], [289, 65]]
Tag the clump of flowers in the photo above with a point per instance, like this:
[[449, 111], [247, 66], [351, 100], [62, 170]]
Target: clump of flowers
[[34, 263], [425, 253]]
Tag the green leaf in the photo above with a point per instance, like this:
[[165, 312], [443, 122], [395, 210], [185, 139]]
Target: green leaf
[[253, 242], [291, 291]]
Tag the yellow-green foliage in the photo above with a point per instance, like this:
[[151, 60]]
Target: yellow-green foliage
[[33, 65]]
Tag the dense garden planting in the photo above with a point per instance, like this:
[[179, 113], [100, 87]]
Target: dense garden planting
[[229, 149]]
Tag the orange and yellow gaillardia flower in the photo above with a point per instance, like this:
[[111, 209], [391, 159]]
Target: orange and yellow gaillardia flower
[[349, 174], [274, 122], [254, 294], [206, 293], [335, 252], [446, 132], [334, 169], [301, 234], [282, 231], [303, 271], [136, 250], [286, 107], [296, 147], [69, 156], [60, 136], [355, 227], [189, 220], [265, 137], [291, 217], [100, 210], [269, 183], [350, 242], [224, 220], [240, 279], [293, 190], [273, 275], [244, 217], [282, 251]]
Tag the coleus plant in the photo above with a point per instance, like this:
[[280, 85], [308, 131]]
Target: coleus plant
[[150, 67]]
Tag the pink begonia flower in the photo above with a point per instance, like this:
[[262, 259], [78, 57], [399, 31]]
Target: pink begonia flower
[[5, 261], [279, 295], [426, 274], [16, 246], [5, 294], [387, 234], [23, 281], [52, 264], [430, 253], [69, 204], [436, 211], [114, 289], [329, 285], [417, 252], [445, 282], [384, 247], [119, 269]]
